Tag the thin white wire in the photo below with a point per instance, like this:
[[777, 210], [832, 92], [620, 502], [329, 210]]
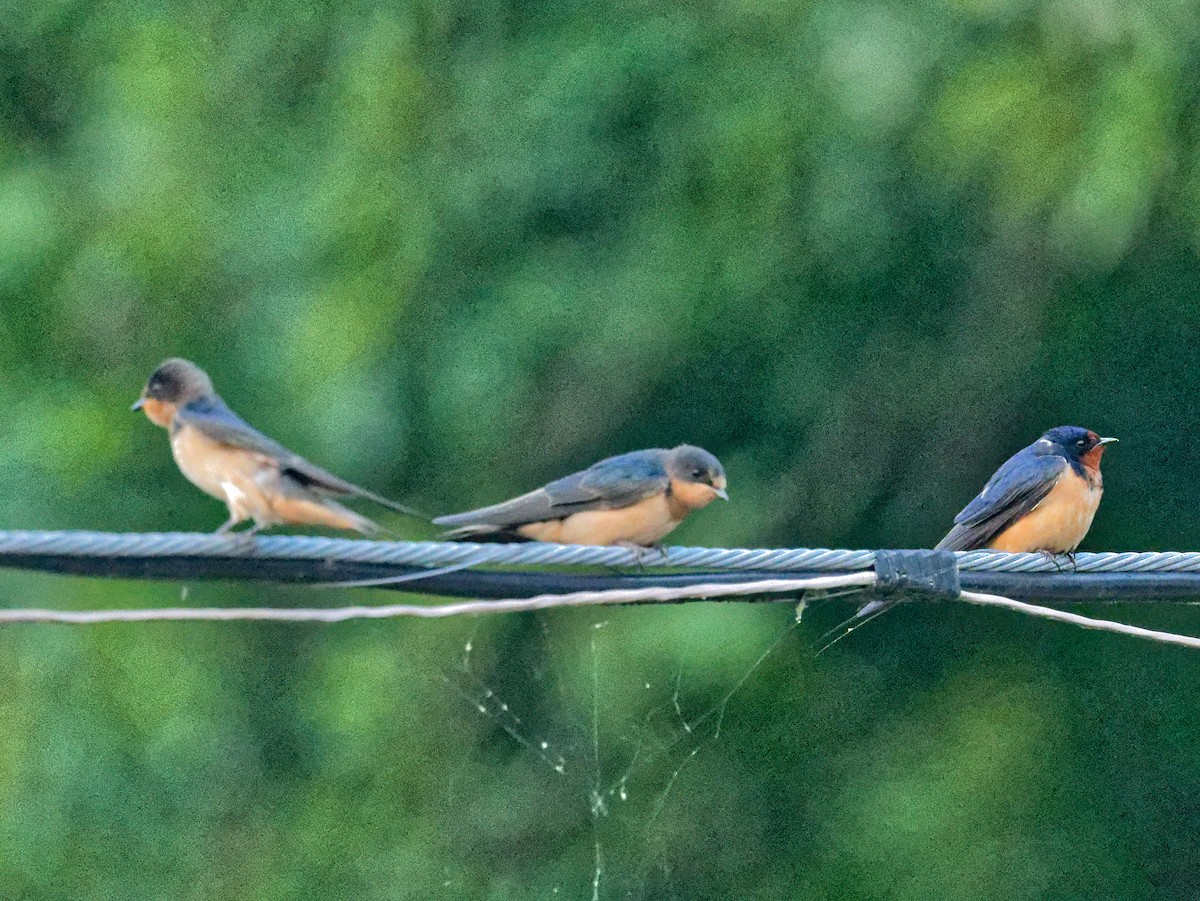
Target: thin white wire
[[1085, 622], [465, 608], [702, 592]]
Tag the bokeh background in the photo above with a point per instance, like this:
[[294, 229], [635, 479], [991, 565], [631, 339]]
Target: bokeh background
[[862, 251]]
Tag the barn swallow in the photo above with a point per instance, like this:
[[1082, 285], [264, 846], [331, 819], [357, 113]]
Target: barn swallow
[[1042, 498], [256, 477], [632, 500]]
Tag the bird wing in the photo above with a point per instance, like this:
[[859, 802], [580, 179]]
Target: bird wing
[[1017, 487], [608, 485], [214, 419]]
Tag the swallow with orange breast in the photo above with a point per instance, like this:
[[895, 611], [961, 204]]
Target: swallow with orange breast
[[256, 477], [1043, 498], [632, 500]]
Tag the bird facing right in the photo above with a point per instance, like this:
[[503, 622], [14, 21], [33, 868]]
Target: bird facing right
[[1043, 498], [633, 500]]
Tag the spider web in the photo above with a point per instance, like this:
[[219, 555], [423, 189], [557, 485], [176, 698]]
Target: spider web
[[609, 750]]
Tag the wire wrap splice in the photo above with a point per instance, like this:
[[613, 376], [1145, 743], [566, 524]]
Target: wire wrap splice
[[917, 571]]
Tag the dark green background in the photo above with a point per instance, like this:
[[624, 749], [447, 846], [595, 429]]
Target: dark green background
[[862, 251]]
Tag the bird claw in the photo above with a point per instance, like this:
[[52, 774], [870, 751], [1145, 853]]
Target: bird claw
[[640, 551], [226, 528], [1053, 556]]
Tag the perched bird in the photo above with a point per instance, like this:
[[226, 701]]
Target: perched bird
[[632, 500], [1042, 499], [257, 478]]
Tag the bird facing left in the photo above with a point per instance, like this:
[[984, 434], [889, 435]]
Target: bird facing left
[[255, 476]]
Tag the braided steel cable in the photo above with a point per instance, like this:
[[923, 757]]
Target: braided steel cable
[[450, 568], [21, 544], [114, 545]]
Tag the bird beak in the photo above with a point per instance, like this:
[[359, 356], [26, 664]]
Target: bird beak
[[1104, 441], [721, 493], [138, 404]]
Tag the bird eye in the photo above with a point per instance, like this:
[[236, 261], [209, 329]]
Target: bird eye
[[697, 474], [1081, 442]]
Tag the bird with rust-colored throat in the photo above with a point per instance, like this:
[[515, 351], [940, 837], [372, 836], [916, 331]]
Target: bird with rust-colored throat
[[1042, 499], [255, 476]]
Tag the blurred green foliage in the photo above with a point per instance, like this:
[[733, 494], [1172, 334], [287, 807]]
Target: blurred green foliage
[[861, 251]]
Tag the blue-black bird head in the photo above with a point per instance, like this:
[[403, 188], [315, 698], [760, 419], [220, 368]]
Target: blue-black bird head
[[1076, 443]]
